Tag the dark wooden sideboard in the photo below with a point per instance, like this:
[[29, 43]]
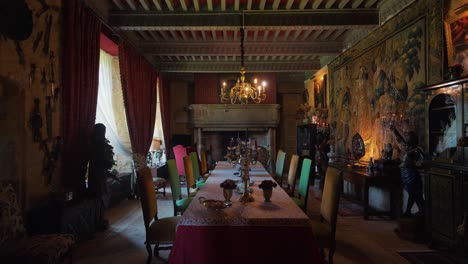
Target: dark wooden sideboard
[[446, 167], [386, 176]]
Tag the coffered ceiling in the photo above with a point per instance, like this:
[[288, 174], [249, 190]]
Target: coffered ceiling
[[204, 35]]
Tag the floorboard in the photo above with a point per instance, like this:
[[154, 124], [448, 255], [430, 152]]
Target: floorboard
[[358, 240]]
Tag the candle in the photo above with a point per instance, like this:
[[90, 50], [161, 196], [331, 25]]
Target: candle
[[255, 144]]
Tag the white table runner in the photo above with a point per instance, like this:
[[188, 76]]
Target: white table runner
[[280, 211]]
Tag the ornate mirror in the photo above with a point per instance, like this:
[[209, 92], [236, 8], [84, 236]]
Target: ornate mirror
[[358, 146]]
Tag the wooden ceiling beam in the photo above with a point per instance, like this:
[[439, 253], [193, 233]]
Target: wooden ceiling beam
[[233, 66], [300, 19], [259, 48]]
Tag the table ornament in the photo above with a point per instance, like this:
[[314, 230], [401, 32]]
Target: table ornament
[[267, 187], [228, 185]]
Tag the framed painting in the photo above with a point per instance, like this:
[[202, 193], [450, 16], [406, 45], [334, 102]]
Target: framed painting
[[320, 92], [456, 31]]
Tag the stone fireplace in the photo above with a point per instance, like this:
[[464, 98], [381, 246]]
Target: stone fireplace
[[215, 124]]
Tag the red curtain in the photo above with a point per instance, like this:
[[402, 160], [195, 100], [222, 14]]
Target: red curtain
[[80, 77], [164, 97], [139, 91]]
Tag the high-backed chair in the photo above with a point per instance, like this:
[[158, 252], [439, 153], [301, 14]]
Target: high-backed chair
[[195, 166], [158, 231], [180, 204], [290, 188], [191, 149], [303, 188], [17, 247], [192, 184], [179, 153], [279, 167], [325, 228], [204, 165]]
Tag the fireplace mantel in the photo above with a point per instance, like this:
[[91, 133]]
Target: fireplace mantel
[[229, 117]]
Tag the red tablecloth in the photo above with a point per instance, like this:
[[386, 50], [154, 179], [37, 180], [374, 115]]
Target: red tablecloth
[[257, 232], [244, 244]]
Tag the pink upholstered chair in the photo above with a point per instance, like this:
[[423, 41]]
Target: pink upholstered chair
[[179, 153]]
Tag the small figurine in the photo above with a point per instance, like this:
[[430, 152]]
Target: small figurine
[[370, 168]]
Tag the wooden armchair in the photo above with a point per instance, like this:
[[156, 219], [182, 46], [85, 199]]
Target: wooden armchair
[[179, 203], [290, 188], [17, 247], [325, 229], [279, 167], [303, 188], [158, 231]]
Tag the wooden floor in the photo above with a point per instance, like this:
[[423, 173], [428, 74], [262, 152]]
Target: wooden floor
[[358, 240]]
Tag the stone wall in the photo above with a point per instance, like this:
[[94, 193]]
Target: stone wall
[[22, 158]]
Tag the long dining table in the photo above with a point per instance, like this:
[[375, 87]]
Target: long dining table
[[256, 232]]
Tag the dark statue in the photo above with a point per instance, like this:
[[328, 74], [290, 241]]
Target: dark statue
[[410, 176], [101, 161]]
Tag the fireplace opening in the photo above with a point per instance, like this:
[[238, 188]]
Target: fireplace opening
[[217, 142]]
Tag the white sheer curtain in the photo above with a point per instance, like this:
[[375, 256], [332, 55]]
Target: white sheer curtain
[[105, 110], [158, 131]]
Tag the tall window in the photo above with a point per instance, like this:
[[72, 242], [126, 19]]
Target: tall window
[[111, 111], [158, 146]]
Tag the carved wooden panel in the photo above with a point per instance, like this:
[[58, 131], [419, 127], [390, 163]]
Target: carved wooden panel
[[442, 204]]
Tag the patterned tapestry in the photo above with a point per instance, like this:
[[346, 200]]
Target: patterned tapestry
[[379, 89]]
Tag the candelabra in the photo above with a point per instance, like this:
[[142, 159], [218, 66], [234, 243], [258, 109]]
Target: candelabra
[[241, 155], [391, 119]]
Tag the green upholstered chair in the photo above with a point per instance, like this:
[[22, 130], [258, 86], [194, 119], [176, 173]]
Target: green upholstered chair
[[290, 188], [303, 188], [180, 204], [325, 228], [279, 167], [159, 232], [196, 169]]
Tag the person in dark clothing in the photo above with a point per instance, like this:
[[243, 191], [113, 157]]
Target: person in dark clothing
[[411, 179], [101, 160]]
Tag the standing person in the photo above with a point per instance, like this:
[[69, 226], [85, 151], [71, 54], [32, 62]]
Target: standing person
[[321, 160], [412, 181], [101, 160]]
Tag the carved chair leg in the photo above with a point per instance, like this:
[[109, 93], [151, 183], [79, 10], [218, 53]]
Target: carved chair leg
[[156, 250], [150, 253], [331, 252]]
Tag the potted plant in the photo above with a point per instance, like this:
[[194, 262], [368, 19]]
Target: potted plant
[[228, 185], [267, 187]]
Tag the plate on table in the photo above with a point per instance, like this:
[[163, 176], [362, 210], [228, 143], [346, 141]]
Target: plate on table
[[213, 204]]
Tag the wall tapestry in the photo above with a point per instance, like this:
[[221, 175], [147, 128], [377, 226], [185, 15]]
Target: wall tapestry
[[379, 88]]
